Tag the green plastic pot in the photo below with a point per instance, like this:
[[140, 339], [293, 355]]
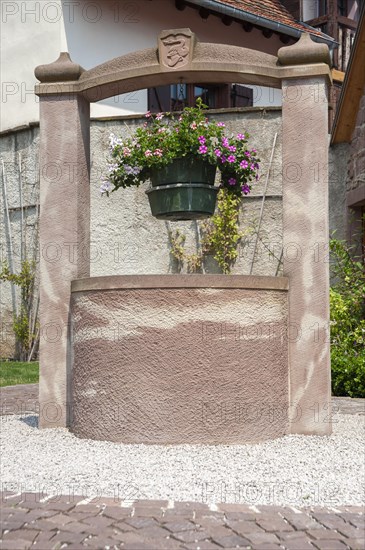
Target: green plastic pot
[[183, 190], [184, 170], [182, 201]]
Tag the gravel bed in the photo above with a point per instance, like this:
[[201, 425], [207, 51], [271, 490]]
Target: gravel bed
[[292, 470]]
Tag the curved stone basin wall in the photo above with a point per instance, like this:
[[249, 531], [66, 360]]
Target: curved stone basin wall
[[180, 358]]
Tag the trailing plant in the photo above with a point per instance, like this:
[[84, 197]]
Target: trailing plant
[[192, 261], [24, 328], [220, 237], [347, 310], [165, 137], [221, 234]]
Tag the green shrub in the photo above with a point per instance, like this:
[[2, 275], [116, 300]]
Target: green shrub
[[347, 299]]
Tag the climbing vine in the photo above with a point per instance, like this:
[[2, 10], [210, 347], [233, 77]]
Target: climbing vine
[[219, 236]]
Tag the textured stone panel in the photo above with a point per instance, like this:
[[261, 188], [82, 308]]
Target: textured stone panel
[[64, 240], [180, 365], [305, 230]]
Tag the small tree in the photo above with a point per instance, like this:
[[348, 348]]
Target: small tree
[[25, 325]]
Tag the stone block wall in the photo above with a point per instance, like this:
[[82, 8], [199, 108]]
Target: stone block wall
[[355, 184], [356, 161], [19, 156], [125, 238]]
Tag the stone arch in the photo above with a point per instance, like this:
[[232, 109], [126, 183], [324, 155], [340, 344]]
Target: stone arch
[[66, 91], [206, 62]]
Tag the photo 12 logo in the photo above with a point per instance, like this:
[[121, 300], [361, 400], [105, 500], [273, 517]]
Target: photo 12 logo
[[70, 11]]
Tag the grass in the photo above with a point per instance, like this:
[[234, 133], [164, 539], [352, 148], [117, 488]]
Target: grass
[[15, 372]]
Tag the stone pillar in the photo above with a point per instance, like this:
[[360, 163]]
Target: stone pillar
[[305, 233], [64, 228]]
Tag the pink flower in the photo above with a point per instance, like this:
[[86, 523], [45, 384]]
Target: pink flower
[[231, 158], [223, 158], [148, 153], [245, 189], [148, 114], [221, 124], [240, 136], [248, 154], [201, 140], [217, 152], [158, 153], [225, 142], [193, 126], [232, 181], [243, 163], [126, 151], [159, 116], [232, 148], [203, 149], [253, 166]]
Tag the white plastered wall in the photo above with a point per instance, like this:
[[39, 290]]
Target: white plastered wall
[[33, 32]]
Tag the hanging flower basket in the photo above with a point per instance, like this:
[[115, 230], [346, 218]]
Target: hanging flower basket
[[183, 190], [179, 156]]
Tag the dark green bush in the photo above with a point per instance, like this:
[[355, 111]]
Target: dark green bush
[[347, 299]]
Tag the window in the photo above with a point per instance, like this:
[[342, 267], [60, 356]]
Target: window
[[312, 9], [177, 96]]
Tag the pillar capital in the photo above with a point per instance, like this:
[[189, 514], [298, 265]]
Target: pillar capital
[[304, 52], [61, 70]]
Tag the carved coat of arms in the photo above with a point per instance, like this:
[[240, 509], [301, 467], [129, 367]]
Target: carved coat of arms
[[175, 48]]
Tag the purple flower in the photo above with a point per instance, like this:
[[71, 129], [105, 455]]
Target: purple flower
[[248, 154], [114, 141], [105, 187], [232, 148], [217, 152], [253, 166], [243, 163], [221, 124], [201, 140], [223, 158], [232, 181], [225, 142], [203, 149], [245, 189], [240, 136], [231, 158]]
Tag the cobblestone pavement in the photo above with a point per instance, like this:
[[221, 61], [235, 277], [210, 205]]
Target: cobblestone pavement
[[31, 520]]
